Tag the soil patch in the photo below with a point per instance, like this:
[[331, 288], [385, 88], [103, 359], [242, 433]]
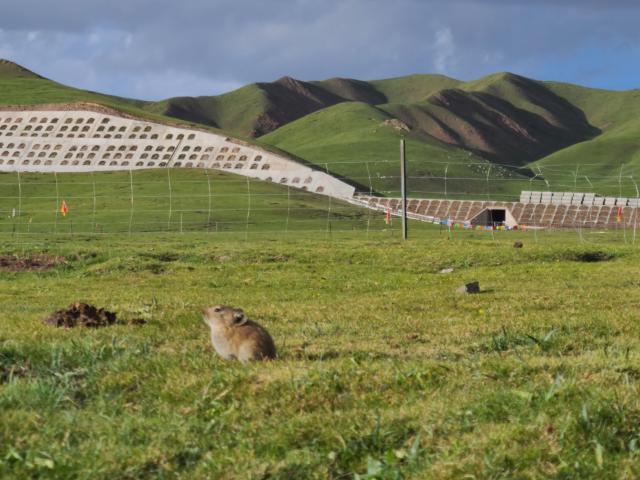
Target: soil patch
[[81, 315], [163, 257], [277, 258], [37, 263], [590, 257], [396, 125], [135, 321]]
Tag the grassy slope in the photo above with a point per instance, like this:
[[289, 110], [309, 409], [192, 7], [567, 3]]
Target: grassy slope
[[234, 111], [617, 114], [350, 137], [413, 88], [252, 110], [383, 367], [569, 114], [166, 200], [19, 86], [505, 118], [22, 87], [28, 89], [239, 110], [354, 90]]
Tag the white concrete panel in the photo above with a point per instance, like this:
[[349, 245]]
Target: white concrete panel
[[93, 141]]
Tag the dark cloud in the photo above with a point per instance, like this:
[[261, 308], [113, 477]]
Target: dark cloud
[[160, 48]]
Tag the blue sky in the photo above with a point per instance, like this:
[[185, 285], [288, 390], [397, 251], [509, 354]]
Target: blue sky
[[154, 49]]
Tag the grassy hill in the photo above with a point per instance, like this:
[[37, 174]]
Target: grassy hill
[[611, 160], [19, 86], [494, 134], [490, 137], [253, 110], [505, 118], [413, 88], [260, 108], [352, 140]]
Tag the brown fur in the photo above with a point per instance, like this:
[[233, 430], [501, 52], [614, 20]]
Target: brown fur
[[234, 336]]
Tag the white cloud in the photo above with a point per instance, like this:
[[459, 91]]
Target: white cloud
[[490, 58], [153, 49], [444, 50], [94, 38], [156, 86]]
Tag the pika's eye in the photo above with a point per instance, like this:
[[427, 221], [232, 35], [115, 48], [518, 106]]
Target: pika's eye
[[217, 309]]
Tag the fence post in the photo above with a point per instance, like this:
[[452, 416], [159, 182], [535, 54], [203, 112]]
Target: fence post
[[403, 187]]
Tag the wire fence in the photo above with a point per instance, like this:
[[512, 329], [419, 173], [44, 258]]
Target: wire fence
[[216, 202]]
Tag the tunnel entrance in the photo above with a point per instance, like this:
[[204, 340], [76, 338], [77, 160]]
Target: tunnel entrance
[[493, 217], [498, 215]]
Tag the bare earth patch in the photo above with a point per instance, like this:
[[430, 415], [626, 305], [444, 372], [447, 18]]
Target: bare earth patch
[[81, 315], [37, 262]]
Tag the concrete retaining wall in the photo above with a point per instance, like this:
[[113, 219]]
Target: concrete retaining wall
[[530, 214], [94, 140]]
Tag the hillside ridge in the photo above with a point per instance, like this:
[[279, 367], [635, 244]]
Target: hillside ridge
[[7, 67], [457, 132]]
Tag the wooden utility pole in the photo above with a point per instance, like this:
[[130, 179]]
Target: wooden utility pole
[[403, 187]]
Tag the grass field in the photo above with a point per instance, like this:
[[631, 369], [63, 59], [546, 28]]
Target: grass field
[[168, 200], [384, 371]]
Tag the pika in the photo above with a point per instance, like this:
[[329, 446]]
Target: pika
[[234, 336]]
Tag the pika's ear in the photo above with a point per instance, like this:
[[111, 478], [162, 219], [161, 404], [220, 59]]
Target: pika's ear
[[239, 318]]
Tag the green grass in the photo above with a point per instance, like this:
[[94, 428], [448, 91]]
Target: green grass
[[234, 112], [23, 88], [413, 88], [613, 153], [168, 200], [384, 371], [33, 90]]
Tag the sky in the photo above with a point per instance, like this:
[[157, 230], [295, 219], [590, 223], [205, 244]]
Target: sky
[[155, 49]]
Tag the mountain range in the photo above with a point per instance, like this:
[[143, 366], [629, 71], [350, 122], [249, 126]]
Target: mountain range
[[492, 136]]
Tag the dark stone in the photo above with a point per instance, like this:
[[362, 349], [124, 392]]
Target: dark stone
[[469, 288]]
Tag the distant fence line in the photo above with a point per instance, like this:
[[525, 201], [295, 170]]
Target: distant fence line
[[203, 201]]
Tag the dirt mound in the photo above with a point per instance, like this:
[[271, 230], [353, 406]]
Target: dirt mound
[[39, 262], [590, 257], [81, 315], [396, 125]]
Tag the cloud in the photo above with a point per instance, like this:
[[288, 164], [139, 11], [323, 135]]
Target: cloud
[[444, 49], [161, 48], [149, 86]]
